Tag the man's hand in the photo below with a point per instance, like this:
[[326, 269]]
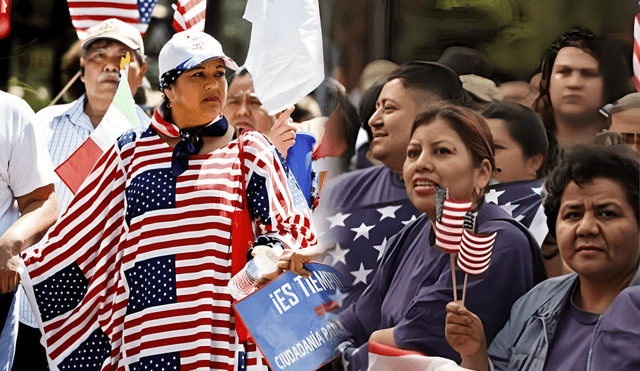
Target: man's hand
[[9, 276], [38, 212]]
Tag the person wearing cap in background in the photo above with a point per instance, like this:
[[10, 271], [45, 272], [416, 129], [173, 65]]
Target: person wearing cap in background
[[157, 258], [67, 126], [473, 69]]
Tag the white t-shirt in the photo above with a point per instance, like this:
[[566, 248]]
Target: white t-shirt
[[24, 160]]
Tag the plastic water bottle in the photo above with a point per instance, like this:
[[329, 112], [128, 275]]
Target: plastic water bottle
[[264, 261]]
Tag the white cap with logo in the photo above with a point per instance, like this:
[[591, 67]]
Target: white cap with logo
[[118, 30], [190, 48]]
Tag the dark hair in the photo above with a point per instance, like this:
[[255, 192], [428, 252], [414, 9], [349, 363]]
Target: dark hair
[[433, 78], [586, 162], [470, 126], [610, 54], [367, 106], [526, 128], [465, 61], [243, 71]]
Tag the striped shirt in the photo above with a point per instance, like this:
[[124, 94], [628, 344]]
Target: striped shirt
[[65, 128], [145, 282]]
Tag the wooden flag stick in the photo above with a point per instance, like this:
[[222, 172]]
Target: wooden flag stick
[[64, 90], [464, 288], [453, 277]]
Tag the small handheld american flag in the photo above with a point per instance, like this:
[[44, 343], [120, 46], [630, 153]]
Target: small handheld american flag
[[449, 225], [449, 228], [475, 250]]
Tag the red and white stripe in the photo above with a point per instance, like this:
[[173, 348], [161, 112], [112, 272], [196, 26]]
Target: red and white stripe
[[198, 231], [636, 52], [88, 13], [449, 229], [189, 14], [384, 357], [475, 251]]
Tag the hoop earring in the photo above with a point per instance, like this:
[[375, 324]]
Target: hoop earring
[[168, 104]]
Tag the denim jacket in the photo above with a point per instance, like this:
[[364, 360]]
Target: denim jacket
[[523, 343]]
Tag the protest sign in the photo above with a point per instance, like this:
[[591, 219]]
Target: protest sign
[[293, 320]]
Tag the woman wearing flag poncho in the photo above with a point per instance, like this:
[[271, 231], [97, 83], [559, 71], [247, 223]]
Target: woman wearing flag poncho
[[404, 306], [135, 275]]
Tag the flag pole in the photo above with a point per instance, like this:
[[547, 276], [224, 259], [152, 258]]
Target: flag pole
[[453, 277], [64, 90], [464, 288]]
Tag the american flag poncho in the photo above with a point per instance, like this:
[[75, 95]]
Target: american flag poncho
[[134, 275]]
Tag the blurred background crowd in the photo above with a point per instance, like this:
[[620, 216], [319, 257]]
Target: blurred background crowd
[[41, 54]]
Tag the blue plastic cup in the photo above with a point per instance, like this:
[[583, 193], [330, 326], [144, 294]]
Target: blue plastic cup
[[299, 158]]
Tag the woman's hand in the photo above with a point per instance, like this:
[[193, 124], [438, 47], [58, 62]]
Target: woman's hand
[[294, 260], [283, 132], [465, 334]]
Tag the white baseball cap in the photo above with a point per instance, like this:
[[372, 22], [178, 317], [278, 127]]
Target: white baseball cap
[[190, 48], [118, 30]]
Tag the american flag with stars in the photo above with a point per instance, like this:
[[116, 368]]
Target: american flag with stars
[[134, 276], [88, 13], [523, 201], [359, 226]]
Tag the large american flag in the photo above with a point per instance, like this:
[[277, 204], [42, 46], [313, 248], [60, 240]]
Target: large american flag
[[523, 201], [134, 276], [358, 214], [88, 13], [189, 14]]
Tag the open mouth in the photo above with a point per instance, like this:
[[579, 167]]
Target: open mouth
[[424, 186]]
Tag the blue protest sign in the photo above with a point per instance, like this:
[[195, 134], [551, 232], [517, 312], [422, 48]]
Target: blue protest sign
[[293, 320]]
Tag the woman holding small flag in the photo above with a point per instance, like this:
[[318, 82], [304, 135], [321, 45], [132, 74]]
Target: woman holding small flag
[[592, 209], [135, 275], [451, 150]]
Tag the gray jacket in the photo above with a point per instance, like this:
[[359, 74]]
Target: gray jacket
[[523, 343]]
